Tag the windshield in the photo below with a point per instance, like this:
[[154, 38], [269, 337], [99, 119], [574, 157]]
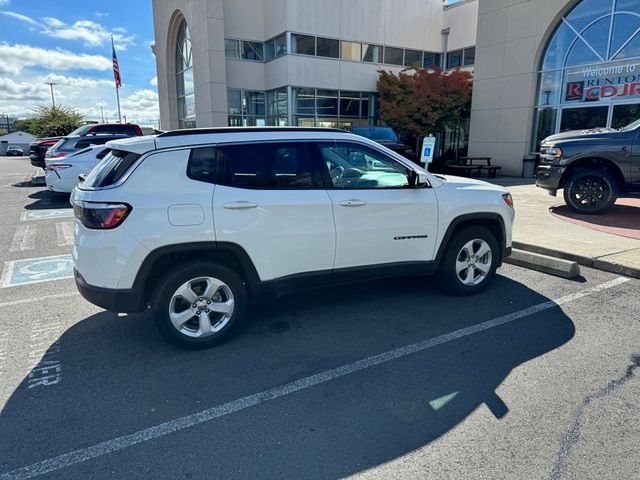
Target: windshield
[[377, 134], [631, 126]]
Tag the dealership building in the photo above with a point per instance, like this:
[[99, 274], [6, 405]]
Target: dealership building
[[540, 66]]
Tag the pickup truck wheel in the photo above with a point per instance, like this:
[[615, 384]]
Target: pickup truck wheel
[[199, 305], [469, 262], [590, 191]]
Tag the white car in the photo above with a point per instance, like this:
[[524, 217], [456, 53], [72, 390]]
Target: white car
[[197, 223], [62, 175]]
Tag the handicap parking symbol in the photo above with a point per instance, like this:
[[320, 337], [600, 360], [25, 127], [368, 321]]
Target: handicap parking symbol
[[37, 270]]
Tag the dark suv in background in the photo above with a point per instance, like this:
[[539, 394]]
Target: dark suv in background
[[384, 136], [69, 145], [81, 137], [594, 167], [128, 129]]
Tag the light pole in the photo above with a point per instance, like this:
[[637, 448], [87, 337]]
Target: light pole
[[53, 99]]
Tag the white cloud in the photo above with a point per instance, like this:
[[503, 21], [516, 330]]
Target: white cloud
[[101, 14], [154, 82], [92, 34], [19, 16], [14, 58], [22, 91], [53, 22], [76, 82], [4, 2]]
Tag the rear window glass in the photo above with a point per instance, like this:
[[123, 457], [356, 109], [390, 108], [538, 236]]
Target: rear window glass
[[111, 169], [276, 165], [269, 166]]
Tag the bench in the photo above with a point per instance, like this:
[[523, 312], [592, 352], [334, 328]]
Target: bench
[[471, 169]]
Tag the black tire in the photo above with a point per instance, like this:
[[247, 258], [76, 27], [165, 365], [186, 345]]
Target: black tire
[[590, 191], [169, 284], [447, 275]]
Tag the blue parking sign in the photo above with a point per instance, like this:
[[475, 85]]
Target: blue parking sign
[[37, 270]]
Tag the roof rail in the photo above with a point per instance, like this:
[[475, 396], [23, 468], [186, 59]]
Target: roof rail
[[203, 131]]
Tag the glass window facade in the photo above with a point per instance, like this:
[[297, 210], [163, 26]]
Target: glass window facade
[[431, 60], [303, 44], [454, 59], [231, 48], [393, 56], [351, 51], [328, 47], [371, 53], [184, 79], [590, 70], [333, 108], [413, 58], [246, 108], [252, 51]]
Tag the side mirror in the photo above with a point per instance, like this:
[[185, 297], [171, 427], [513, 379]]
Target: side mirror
[[419, 179]]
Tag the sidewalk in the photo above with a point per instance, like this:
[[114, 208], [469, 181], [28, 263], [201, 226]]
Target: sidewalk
[[537, 230]]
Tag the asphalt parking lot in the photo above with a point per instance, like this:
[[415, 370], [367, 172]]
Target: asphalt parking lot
[[535, 378]]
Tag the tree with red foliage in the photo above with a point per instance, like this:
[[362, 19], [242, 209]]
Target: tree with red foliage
[[419, 102]]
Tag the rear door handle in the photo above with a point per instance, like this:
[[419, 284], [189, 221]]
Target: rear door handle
[[352, 203], [240, 205]]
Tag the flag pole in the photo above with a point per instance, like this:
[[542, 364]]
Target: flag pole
[[118, 98], [116, 78]]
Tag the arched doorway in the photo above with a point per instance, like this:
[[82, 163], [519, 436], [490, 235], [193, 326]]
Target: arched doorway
[[589, 73], [184, 78]]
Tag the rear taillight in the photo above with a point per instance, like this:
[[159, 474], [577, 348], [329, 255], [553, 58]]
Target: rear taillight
[[56, 155], [58, 166], [101, 216]]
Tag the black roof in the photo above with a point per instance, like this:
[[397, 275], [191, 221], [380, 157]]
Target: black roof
[[202, 131]]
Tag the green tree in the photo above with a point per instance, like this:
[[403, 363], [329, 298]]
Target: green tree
[[55, 121], [417, 102], [27, 125]]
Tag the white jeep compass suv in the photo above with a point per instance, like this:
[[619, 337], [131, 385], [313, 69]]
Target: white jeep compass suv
[[198, 223]]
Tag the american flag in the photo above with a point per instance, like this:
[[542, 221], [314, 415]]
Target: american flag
[[116, 68]]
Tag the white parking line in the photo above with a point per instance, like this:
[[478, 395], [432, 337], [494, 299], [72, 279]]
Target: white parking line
[[41, 298], [24, 238], [126, 441], [64, 233]]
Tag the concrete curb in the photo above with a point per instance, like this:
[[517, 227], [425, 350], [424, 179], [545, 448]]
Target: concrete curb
[[543, 263], [598, 263]]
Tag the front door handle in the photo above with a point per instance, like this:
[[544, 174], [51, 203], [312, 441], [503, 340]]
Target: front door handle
[[240, 205], [352, 203]]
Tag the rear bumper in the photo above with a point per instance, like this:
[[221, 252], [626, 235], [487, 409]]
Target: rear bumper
[[549, 176], [114, 300], [36, 161]]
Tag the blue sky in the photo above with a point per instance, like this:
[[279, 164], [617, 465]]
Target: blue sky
[[68, 42]]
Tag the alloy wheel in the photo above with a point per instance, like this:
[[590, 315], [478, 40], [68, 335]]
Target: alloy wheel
[[201, 307], [473, 262]]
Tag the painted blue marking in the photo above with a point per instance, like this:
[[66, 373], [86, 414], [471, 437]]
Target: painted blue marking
[[46, 214], [37, 270]]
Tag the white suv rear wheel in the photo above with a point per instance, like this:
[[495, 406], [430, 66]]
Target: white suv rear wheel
[[199, 305]]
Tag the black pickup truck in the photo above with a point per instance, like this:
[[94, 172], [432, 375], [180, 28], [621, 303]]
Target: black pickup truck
[[594, 167]]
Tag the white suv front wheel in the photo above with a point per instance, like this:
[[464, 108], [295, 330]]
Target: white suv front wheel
[[199, 305], [470, 261]]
